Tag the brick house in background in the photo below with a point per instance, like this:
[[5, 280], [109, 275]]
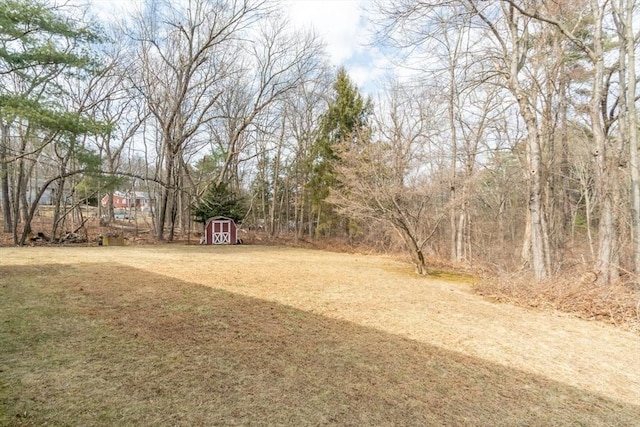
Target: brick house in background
[[135, 200]]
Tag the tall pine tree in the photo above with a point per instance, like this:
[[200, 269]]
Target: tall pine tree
[[346, 117], [39, 48]]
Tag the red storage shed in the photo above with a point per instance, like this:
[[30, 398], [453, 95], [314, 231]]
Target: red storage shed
[[220, 230]]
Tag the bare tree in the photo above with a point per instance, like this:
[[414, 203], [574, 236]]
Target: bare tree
[[186, 53], [120, 105], [506, 42], [605, 154], [630, 40], [623, 13], [303, 108], [382, 178], [216, 72], [543, 53], [276, 63]]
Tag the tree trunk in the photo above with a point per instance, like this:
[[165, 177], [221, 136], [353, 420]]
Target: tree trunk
[[536, 217], [57, 202], [20, 190], [455, 230], [165, 192], [565, 166], [38, 196], [4, 180], [607, 271], [417, 257], [276, 181], [536, 205], [460, 237], [634, 163]]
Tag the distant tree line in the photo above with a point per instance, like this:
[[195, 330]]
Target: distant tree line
[[512, 143]]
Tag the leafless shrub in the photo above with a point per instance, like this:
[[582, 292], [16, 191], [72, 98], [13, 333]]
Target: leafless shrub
[[577, 293]]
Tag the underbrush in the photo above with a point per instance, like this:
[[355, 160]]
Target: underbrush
[[579, 295]]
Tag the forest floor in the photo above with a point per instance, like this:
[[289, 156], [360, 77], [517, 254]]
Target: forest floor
[[262, 335]]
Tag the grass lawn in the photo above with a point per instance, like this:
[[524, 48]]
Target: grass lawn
[[79, 346]]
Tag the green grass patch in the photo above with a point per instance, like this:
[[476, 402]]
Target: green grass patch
[[453, 277], [447, 276]]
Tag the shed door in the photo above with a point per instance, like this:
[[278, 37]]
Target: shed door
[[221, 232]]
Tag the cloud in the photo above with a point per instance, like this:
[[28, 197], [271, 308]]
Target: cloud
[[345, 29], [337, 22]]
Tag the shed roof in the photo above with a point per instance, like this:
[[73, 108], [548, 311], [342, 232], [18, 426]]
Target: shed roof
[[216, 218]]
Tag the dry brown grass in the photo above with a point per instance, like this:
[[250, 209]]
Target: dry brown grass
[[574, 293], [86, 343]]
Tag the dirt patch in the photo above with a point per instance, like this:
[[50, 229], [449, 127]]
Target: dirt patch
[[109, 344]]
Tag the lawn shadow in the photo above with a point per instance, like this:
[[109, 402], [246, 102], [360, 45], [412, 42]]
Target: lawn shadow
[[98, 344]]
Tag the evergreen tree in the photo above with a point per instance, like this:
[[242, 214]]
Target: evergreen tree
[[346, 117], [219, 200], [40, 47]]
